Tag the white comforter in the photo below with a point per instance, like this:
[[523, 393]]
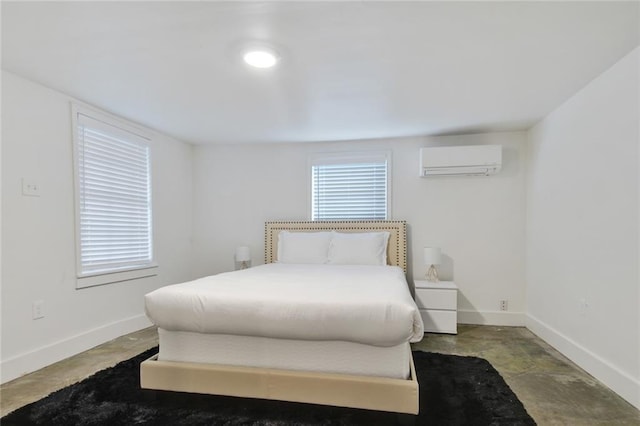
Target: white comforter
[[364, 304]]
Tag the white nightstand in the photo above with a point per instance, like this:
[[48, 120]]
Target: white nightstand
[[438, 304]]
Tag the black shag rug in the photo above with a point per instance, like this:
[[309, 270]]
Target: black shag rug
[[454, 390]]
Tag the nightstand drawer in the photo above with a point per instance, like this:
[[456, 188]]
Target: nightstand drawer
[[430, 298], [436, 321]]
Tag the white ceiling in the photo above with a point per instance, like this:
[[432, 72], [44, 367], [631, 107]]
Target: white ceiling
[[349, 70]]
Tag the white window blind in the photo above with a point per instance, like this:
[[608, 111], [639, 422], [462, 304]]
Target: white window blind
[[114, 198], [349, 189]]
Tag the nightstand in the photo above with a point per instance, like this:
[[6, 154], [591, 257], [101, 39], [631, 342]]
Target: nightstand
[[438, 304]]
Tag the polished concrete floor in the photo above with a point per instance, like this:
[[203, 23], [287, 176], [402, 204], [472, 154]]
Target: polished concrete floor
[[553, 390]]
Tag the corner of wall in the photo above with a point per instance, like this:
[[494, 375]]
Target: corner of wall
[[620, 382]]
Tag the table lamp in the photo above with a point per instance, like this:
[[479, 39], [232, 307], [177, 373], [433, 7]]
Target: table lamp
[[432, 258], [243, 255]]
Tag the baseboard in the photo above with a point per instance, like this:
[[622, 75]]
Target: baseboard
[[618, 381], [28, 362], [512, 319]]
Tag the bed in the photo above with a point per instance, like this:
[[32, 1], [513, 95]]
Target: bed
[[330, 330]]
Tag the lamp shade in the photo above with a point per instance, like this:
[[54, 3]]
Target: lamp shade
[[432, 255], [243, 254]]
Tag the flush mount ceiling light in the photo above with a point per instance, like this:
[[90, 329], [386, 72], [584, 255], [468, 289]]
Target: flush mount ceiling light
[[261, 58]]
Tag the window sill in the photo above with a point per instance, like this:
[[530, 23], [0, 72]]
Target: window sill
[[115, 277]]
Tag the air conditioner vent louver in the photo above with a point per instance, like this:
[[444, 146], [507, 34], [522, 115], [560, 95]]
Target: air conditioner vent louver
[[476, 160]]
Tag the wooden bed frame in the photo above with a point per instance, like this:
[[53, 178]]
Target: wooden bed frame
[[374, 393]]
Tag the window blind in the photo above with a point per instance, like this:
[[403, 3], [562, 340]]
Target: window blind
[[349, 191], [114, 195]]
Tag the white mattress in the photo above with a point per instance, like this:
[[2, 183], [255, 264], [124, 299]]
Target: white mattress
[[370, 305], [317, 356]]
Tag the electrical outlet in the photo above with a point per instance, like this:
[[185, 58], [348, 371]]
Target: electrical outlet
[[584, 306], [37, 309], [30, 187], [504, 305]]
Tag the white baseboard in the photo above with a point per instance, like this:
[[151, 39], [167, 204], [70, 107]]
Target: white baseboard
[[618, 381], [28, 362], [512, 319]]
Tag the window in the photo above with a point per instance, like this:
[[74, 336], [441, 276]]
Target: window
[[113, 197], [350, 187]]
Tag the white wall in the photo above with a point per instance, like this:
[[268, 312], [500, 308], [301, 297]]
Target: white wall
[[583, 228], [38, 247], [478, 221]]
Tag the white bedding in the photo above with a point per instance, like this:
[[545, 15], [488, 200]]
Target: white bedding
[[362, 304], [282, 354]]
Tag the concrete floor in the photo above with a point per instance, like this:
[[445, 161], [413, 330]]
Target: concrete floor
[[34, 386], [553, 390]]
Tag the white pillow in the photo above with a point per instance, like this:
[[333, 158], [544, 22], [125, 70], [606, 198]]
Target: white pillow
[[303, 247], [358, 248]]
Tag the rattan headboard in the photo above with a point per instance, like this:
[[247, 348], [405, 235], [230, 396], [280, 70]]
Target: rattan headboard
[[396, 249]]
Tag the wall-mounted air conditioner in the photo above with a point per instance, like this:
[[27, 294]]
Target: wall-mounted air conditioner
[[476, 160]]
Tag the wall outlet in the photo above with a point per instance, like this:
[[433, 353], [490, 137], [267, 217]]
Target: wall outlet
[[584, 306], [504, 305], [37, 309], [30, 187]]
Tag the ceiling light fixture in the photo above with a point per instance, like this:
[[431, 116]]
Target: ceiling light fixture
[[261, 58]]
